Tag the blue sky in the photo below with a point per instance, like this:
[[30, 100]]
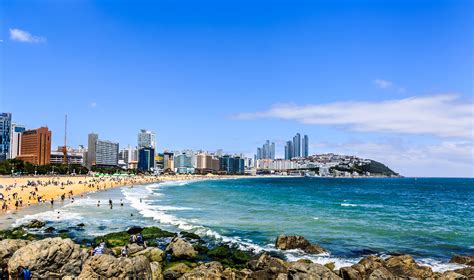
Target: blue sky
[[387, 80]]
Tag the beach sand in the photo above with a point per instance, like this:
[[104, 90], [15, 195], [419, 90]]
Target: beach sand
[[32, 190]]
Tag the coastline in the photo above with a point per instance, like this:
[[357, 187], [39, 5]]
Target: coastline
[[22, 192]]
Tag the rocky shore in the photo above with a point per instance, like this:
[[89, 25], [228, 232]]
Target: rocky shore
[[54, 255]]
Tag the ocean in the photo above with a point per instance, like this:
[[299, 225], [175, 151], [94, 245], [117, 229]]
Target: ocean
[[429, 218]]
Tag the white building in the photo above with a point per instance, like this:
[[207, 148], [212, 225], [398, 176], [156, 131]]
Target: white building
[[15, 139], [146, 139]]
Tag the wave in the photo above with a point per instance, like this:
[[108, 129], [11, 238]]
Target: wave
[[361, 205], [49, 216]]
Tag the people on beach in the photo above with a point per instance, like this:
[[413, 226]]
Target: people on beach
[[24, 273], [124, 251], [110, 203]]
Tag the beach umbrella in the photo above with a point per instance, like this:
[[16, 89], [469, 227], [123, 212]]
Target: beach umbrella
[[134, 230]]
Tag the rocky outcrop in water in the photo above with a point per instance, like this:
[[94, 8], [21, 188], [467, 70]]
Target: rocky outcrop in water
[[463, 259], [49, 258], [297, 242]]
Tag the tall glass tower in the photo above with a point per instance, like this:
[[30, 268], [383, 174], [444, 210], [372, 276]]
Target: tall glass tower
[[5, 132]]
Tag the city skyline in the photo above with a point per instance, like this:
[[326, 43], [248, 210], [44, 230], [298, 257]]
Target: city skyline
[[191, 73]]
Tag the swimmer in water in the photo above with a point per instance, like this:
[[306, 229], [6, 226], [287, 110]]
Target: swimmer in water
[[98, 203]]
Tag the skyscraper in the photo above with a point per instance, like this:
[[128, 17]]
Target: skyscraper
[[146, 139], [289, 150], [15, 139], [267, 151], [146, 159], [5, 134], [305, 146], [297, 145]]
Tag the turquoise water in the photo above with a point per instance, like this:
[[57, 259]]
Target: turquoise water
[[432, 219]]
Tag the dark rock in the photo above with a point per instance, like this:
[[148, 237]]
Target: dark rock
[[463, 259], [189, 235], [49, 229], [63, 230], [297, 242], [80, 225], [35, 224]]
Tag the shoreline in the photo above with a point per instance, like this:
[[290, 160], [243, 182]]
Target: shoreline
[[20, 193]]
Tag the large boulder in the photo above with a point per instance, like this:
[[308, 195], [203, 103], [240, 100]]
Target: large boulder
[[297, 242], [235, 274], [349, 273], [209, 271], [451, 275], [181, 249], [49, 258], [310, 271], [176, 271], [107, 266], [463, 259], [267, 267], [405, 266], [8, 247], [152, 254]]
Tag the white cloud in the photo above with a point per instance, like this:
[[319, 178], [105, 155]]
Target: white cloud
[[444, 159], [93, 104], [25, 36], [383, 84], [438, 115]]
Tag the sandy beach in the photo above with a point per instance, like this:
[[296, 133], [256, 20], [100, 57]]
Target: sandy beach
[[20, 192]]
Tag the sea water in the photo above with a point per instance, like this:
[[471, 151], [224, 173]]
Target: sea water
[[429, 218]]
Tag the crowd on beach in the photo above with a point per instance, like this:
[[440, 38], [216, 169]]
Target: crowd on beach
[[43, 190]]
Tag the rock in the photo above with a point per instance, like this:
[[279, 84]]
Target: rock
[[349, 273], [8, 247], [367, 265], [330, 265], [189, 235], [451, 275], [107, 266], [234, 274], [380, 273], [152, 254], [35, 224], [310, 271], [463, 259], [49, 229], [134, 248], [156, 272], [176, 271], [297, 242], [49, 258], [181, 249], [405, 266], [467, 271], [80, 225], [267, 267], [210, 271]]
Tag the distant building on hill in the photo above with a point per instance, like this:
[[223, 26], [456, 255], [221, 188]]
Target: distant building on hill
[[36, 146]]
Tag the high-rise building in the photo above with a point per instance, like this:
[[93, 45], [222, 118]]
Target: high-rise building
[[101, 152], [146, 139], [5, 134], [305, 146], [297, 145], [289, 150], [183, 164], [168, 161], [36, 146], [129, 157], [15, 139], [146, 159], [267, 151]]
